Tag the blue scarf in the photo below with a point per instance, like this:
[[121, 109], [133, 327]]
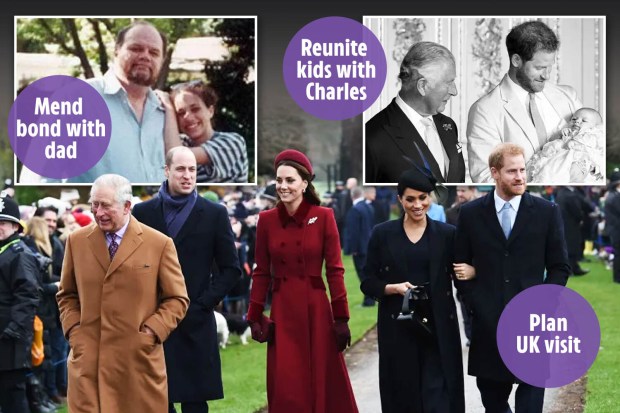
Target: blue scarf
[[176, 208]]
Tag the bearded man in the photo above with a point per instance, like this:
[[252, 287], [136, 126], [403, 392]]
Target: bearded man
[[511, 238]]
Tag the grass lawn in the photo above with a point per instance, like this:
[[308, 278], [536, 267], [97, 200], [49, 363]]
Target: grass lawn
[[244, 367], [603, 392]]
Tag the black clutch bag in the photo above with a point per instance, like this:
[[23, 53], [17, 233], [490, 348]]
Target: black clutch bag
[[417, 311]]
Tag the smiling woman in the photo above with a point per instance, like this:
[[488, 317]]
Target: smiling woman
[[221, 156]]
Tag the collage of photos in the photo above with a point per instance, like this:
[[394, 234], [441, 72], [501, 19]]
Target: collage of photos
[[220, 247]]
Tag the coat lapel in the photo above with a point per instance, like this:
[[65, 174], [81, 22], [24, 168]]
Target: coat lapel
[[156, 214], [436, 249], [99, 247], [192, 222], [490, 217], [404, 134], [515, 109], [450, 142], [560, 104], [524, 215], [130, 242]]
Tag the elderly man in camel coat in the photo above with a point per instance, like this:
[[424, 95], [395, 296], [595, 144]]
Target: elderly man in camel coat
[[121, 294]]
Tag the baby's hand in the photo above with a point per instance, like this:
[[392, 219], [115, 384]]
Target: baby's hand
[[571, 144], [566, 133]]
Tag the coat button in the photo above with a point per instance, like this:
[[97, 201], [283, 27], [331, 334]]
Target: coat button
[[506, 253], [449, 293], [283, 261], [451, 316], [298, 243], [282, 244], [506, 281], [299, 260], [387, 268]]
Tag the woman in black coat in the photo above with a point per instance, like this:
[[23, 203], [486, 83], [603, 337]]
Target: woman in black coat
[[418, 372]]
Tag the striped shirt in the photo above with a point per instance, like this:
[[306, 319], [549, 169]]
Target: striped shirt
[[228, 158]]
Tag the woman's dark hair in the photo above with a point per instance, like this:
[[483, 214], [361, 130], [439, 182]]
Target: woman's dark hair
[[310, 195], [199, 88]]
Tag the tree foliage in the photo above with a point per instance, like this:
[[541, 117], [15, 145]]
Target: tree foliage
[[92, 40], [231, 80]]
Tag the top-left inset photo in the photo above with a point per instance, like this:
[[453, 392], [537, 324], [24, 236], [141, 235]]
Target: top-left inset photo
[[167, 82]]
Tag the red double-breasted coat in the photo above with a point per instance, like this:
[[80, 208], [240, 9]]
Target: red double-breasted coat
[[305, 371]]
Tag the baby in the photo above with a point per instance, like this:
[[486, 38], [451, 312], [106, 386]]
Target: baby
[[576, 157]]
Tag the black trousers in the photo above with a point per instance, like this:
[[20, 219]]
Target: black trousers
[[494, 394], [191, 407], [13, 391], [615, 243]]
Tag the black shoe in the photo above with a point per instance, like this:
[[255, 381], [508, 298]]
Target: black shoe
[[581, 271], [368, 302]]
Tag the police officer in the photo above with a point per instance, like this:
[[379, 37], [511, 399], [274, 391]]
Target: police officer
[[19, 298]]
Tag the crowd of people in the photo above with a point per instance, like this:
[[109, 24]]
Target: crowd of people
[[38, 235]]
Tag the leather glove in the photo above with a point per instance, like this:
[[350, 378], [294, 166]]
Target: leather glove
[[343, 334], [262, 330]]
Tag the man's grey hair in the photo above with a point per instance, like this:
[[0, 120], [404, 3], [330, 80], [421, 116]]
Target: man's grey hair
[[419, 56], [120, 185], [356, 192]]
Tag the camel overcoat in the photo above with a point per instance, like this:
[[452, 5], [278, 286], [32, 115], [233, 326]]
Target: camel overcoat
[[113, 366]]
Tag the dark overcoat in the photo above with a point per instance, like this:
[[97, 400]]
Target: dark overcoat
[[390, 138], [387, 264], [505, 267], [192, 352]]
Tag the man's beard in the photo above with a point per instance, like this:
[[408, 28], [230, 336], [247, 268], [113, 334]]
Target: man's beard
[[510, 191], [141, 78], [527, 83]]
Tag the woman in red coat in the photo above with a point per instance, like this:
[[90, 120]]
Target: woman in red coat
[[306, 372]]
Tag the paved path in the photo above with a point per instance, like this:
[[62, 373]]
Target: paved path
[[364, 374]]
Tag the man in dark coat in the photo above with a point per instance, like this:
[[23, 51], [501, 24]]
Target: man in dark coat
[[574, 209], [203, 237], [357, 234], [412, 129], [511, 238], [19, 299], [612, 220]]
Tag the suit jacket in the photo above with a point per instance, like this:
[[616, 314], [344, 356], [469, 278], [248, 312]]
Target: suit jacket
[[113, 366], [357, 229], [387, 263], [205, 241], [390, 138], [505, 267], [499, 116]]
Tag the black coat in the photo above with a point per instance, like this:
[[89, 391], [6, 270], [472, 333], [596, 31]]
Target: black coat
[[192, 353], [19, 298], [390, 137], [387, 264], [504, 268], [575, 209]]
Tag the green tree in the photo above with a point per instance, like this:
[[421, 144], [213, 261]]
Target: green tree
[[230, 79]]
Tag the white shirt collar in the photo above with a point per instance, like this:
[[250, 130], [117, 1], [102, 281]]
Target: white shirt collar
[[499, 202], [414, 117], [358, 200]]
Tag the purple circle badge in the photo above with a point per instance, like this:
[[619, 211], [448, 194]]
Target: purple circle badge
[[59, 127], [334, 68], [548, 336]]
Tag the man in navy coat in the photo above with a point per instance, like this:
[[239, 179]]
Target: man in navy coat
[[511, 238], [203, 237], [359, 222]]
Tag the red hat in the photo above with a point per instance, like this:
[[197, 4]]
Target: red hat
[[295, 156], [82, 219]]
